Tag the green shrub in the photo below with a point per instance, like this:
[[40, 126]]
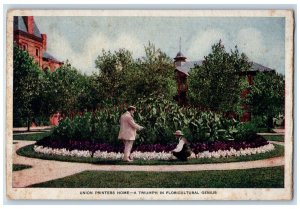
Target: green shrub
[[161, 118], [245, 131]]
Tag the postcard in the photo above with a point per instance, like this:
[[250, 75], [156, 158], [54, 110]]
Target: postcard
[[149, 104]]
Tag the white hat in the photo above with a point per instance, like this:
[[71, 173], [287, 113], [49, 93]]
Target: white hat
[[178, 133]]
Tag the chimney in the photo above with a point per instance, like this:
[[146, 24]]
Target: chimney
[[44, 39], [29, 22]]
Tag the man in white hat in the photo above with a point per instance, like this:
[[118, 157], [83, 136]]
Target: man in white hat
[[182, 150], [128, 130]]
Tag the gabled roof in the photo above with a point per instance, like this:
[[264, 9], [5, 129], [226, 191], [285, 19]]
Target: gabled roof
[[187, 66], [19, 24], [48, 56]]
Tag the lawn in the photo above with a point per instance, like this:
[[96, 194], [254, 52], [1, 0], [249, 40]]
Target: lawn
[[29, 152], [19, 167], [278, 138], [31, 136], [252, 178]]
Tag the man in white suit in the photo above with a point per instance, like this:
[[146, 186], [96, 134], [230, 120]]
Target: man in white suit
[[128, 130]]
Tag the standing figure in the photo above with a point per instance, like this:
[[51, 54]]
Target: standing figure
[[182, 150], [128, 130]]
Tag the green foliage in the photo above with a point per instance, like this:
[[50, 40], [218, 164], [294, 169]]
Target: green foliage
[[121, 79], [37, 94], [216, 84], [64, 90], [26, 87], [99, 127], [245, 131], [161, 119], [267, 96]]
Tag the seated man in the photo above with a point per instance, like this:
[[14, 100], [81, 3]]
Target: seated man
[[183, 150]]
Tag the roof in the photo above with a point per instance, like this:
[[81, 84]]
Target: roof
[[48, 56], [179, 54], [187, 66], [258, 67], [19, 24]]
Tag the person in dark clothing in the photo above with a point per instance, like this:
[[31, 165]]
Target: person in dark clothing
[[182, 150]]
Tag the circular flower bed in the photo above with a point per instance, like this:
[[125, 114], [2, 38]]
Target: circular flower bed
[[216, 149]]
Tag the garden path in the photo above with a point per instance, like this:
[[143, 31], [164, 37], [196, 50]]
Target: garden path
[[46, 170]]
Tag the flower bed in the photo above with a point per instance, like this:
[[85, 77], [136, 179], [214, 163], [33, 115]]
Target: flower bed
[[216, 149]]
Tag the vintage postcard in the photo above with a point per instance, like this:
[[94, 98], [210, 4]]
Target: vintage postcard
[[149, 104]]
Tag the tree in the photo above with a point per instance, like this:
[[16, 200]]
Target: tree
[[110, 83], [217, 83], [26, 87], [64, 89], [122, 79], [154, 74], [267, 96]]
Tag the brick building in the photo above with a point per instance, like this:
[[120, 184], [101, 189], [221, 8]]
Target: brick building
[[182, 68], [28, 37]]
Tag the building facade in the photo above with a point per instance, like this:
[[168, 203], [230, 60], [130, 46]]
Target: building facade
[[28, 37]]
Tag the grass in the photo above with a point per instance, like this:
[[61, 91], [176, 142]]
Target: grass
[[252, 178], [31, 136], [278, 138], [28, 151], [19, 167]]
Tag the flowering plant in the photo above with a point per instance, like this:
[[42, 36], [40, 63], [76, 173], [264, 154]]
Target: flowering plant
[[154, 155]]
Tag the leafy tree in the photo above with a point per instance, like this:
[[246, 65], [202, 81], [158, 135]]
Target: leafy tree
[[26, 87], [110, 83], [267, 96], [63, 89], [122, 79], [217, 83], [154, 74]]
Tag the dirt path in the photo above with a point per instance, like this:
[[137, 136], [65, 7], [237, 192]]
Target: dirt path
[[46, 170]]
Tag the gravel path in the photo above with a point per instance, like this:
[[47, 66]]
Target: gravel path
[[46, 170]]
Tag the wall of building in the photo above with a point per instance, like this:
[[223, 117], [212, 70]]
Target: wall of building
[[35, 46], [32, 45]]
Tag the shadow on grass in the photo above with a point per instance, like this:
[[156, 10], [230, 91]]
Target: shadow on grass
[[19, 167]]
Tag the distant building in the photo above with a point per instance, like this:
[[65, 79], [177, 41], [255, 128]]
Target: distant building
[[183, 67], [28, 37]]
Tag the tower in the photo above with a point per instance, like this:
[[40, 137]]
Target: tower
[[180, 58], [181, 78]]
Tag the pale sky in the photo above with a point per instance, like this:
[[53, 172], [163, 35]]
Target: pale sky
[[81, 39]]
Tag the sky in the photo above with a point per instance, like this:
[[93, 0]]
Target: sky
[[81, 39]]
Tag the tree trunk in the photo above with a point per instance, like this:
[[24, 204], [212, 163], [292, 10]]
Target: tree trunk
[[28, 124]]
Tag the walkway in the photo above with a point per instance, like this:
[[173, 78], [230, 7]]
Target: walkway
[[46, 170], [277, 132], [23, 130]]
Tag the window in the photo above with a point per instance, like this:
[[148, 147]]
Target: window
[[37, 52], [24, 46]]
